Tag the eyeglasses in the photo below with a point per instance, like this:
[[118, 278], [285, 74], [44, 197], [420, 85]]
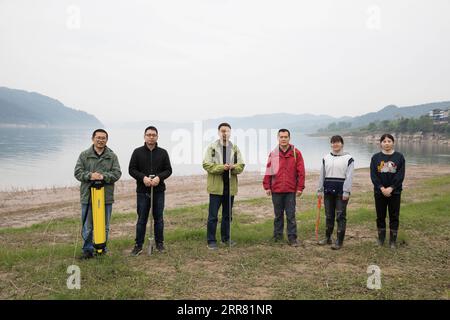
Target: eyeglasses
[[151, 135]]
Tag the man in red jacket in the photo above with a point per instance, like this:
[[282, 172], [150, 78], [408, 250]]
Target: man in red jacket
[[284, 180]]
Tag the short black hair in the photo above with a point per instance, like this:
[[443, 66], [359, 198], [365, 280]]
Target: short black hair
[[337, 138], [387, 135], [99, 130], [224, 124], [285, 130], [150, 128]]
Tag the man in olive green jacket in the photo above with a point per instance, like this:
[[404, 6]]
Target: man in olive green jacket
[[223, 162], [96, 163]]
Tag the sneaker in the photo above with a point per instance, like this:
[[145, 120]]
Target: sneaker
[[86, 255], [228, 243], [160, 247], [212, 246], [137, 250], [293, 242], [277, 238]]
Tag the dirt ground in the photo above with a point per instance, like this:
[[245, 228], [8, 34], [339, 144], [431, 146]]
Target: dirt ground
[[256, 268], [25, 208]]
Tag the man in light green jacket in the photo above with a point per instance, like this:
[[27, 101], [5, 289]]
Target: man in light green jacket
[[223, 162], [98, 162]]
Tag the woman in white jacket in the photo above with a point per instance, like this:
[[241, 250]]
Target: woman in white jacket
[[335, 183]]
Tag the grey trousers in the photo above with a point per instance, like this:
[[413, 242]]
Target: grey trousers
[[284, 203]]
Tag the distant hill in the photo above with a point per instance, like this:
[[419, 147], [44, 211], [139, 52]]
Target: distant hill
[[301, 122], [23, 108], [392, 112], [389, 113], [306, 123]]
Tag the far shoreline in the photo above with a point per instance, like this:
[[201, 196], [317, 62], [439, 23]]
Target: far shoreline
[[76, 184], [25, 208], [401, 138]]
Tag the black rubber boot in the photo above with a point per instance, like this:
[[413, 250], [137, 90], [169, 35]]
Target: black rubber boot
[[393, 239], [381, 237], [327, 240], [340, 240], [341, 224]]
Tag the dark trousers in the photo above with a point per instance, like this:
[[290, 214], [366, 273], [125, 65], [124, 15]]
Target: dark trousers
[[335, 208], [382, 205], [143, 209], [215, 201], [284, 203]]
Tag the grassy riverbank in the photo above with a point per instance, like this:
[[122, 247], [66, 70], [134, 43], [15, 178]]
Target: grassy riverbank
[[34, 259]]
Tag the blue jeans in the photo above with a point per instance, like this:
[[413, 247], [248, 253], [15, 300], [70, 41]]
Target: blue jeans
[[86, 218], [215, 201], [143, 210]]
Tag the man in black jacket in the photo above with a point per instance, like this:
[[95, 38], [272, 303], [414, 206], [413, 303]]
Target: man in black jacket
[[146, 162]]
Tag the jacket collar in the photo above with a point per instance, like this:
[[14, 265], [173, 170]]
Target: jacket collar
[[156, 146], [341, 153], [388, 154], [92, 153], [218, 144], [289, 152]]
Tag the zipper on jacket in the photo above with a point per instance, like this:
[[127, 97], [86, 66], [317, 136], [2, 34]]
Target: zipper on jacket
[[151, 161]]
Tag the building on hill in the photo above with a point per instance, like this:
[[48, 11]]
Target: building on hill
[[439, 116]]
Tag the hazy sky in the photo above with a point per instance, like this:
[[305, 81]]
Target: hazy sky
[[197, 59]]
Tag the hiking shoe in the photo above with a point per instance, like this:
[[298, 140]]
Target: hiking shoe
[[277, 238], [212, 246], [137, 250], [228, 243], [160, 247], [293, 242], [86, 255]]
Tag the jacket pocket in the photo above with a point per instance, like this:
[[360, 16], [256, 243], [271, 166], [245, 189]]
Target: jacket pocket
[[85, 192]]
